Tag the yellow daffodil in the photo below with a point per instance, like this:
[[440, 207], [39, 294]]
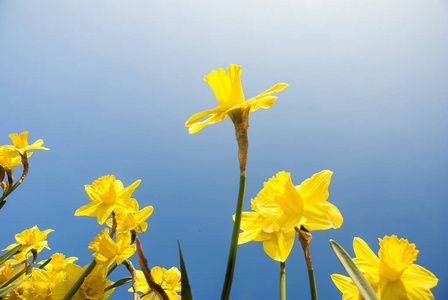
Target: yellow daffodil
[[109, 251], [229, 93], [129, 221], [20, 142], [392, 273], [107, 195], [280, 207], [43, 283], [169, 280], [56, 267], [92, 288], [23, 291], [11, 162], [31, 238], [7, 272]]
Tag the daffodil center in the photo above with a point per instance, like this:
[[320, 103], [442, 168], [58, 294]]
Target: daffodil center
[[395, 257], [93, 287], [110, 196], [43, 289]]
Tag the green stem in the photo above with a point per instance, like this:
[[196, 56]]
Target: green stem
[[312, 284], [282, 281], [234, 243], [80, 281]]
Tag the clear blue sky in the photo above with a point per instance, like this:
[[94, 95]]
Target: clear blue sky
[[108, 85]]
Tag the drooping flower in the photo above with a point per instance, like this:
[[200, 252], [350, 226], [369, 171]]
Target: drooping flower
[[129, 221], [169, 280], [20, 142], [108, 251], [107, 195], [229, 93], [31, 238], [392, 274], [280, 207], [11, 162], [93, 287]]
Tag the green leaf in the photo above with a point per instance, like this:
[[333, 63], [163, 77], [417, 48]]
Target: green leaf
[[5, 256], [353, 271], [10, 287], [45, 263], [119, 282], [80, 281], [186, 290], [10, 281]]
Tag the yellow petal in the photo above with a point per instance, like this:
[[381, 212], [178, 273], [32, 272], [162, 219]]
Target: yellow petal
[[226, 85], [419, 276], [213, 119], [280, 245], [315, 189], [363, 250]]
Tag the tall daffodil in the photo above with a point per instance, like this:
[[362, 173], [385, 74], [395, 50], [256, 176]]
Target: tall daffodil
[[228, 91], [280, 207], [107, 195], [392, 274]]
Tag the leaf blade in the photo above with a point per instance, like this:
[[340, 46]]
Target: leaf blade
[[353, 271]]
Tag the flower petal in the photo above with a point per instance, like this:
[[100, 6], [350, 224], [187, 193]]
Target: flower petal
[[280, 245]]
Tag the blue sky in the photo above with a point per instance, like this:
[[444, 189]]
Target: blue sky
[[108, 85]]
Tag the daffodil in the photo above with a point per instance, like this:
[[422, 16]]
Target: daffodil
[[11, 162], [31, 238], [44, 282], [280, 207], [169, 280], [392, 274], [129, 221], [228, 91], [109, 251], [108, 195], [92, 288], [23, 291], [57, 265], [20, 142]]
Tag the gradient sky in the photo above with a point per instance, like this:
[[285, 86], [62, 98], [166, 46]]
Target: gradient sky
[[108, 85]]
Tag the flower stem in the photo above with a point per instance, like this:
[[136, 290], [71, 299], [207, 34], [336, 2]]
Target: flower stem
[[80, 281], [305, 239], [312, 284], [282, 281], [234, 242]]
